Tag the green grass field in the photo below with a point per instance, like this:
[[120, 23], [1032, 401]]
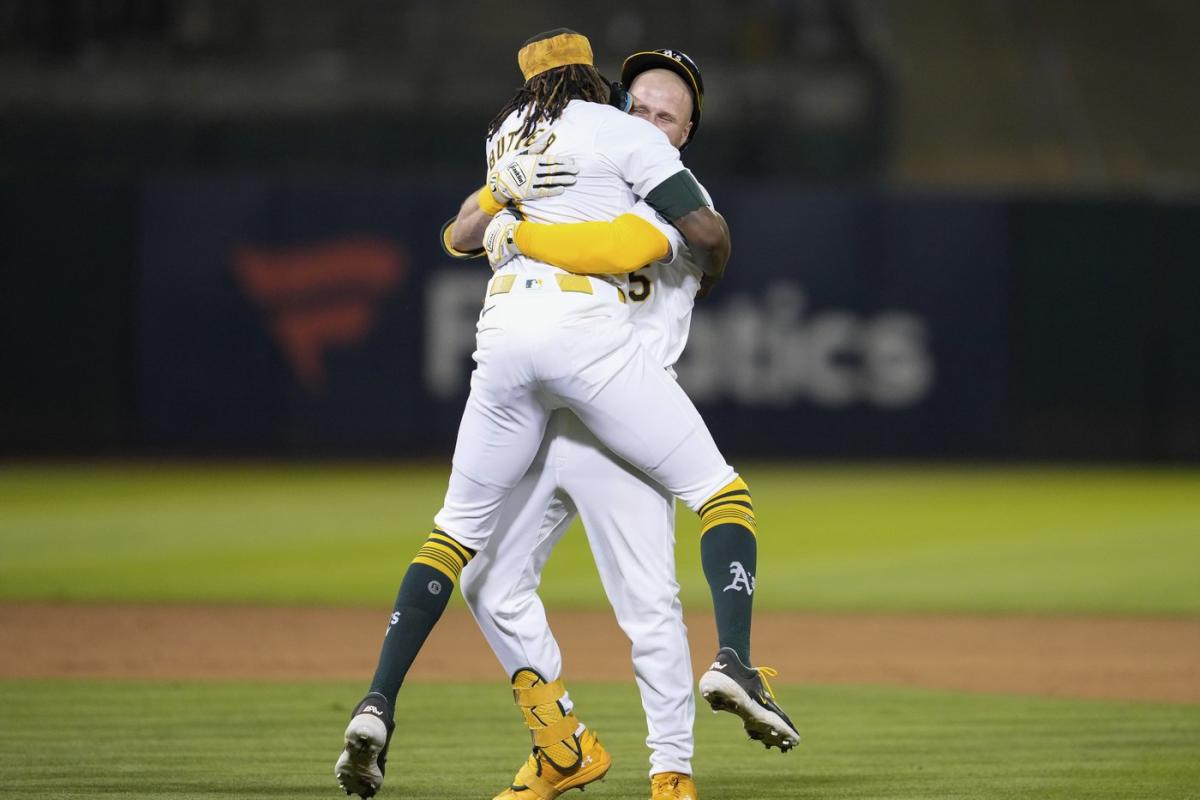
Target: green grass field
[[889, 539], [206, 741], [831, 538]]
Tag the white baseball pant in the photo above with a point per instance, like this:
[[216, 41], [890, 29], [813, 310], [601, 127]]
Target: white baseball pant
[[539, 348], [630, 524]]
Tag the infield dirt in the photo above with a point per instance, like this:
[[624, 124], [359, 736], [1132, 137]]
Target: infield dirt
[[1128, 658]]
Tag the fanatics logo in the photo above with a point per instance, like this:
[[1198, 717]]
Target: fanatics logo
[[320, 297]]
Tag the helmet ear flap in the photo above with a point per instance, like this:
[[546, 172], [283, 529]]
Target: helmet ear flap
[[619, 97]]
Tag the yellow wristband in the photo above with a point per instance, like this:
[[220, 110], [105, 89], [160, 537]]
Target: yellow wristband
[[487, 203], [448, 248]]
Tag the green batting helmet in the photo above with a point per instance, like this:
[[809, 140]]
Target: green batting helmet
[[678, 62]]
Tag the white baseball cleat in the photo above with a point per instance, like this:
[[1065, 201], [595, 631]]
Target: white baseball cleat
[[359, 769]]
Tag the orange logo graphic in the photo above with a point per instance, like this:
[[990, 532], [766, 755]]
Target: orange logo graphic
[[320, 296]]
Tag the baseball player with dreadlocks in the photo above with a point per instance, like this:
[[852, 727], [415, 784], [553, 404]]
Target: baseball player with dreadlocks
[[550, 338], [629, 519]]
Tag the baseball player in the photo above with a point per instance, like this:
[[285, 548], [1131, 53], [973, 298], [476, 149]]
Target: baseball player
[[549, 339], [629, 520]]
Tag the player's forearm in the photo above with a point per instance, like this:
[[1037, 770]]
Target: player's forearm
[[467, 232], [708, 237], [618, 246], [681, 200]]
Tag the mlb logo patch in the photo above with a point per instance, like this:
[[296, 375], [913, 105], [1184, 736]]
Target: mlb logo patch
[[533, 283]]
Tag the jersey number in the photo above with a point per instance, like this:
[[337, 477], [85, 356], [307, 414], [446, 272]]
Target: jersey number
[[639, 288]]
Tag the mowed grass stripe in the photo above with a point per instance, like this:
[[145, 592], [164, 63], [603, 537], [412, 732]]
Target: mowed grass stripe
[[874, 538], [131, 741]]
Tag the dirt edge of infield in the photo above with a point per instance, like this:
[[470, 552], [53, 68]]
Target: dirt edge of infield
[[1156, 659]]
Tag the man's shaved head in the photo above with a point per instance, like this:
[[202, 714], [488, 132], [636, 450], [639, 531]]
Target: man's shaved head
[[663, 99]]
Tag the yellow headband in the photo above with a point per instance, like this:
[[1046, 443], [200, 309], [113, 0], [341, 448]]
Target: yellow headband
[[557, 51]]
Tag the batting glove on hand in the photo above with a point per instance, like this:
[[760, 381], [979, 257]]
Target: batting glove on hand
[[500, 239], [530, 174]]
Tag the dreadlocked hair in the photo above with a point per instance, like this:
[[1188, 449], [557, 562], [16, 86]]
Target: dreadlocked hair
[[546, 95]]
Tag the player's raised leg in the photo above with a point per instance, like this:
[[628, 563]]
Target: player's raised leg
[[729, 553], [643, 415]]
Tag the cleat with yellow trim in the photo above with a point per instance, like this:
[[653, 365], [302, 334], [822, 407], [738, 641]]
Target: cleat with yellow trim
[[539, 779], [729, 685], [672, 786], [552, 729], [565, 754]]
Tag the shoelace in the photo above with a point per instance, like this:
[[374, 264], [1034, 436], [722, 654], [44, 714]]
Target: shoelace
[[763, 672]]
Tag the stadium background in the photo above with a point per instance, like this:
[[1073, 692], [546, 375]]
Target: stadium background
[[957, 356]]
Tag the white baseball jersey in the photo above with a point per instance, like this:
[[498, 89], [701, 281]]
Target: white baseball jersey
[[663, 294], [620, 159], [630, 525]]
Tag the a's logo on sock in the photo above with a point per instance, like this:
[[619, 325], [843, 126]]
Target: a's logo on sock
[[435, 587], [391, 622], [741, 579]]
